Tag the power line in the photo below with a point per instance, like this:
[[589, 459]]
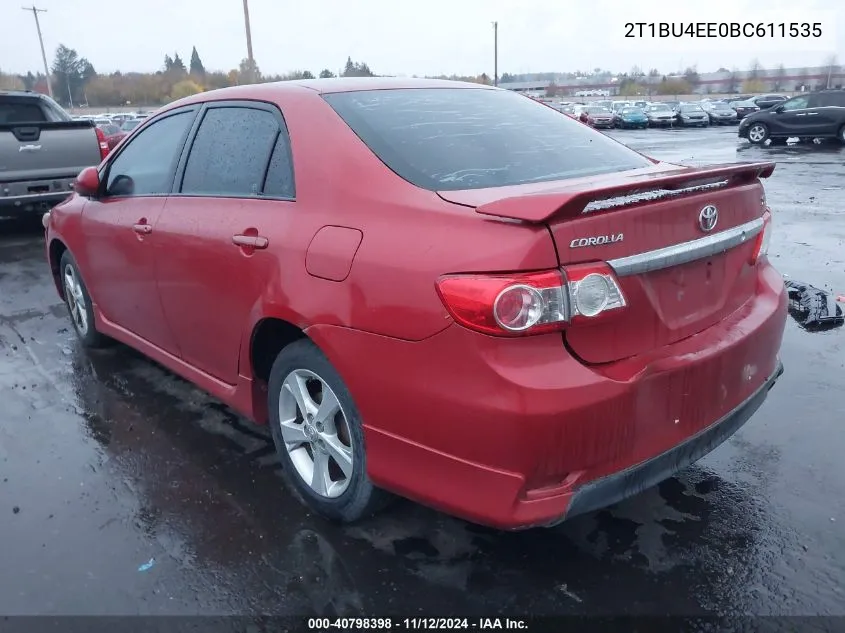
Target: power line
[[35, 12]]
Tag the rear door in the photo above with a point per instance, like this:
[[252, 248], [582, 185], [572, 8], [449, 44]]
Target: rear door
[[119, 228], [234, 197], [829, 112]]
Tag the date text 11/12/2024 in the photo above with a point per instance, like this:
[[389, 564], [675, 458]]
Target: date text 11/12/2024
[[415, 624]]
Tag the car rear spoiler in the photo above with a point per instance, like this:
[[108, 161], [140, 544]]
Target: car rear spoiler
[[623, 190]]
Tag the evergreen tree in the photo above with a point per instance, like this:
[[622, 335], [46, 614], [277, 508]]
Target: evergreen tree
[[196, 64]]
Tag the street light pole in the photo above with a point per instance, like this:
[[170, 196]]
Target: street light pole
[[249, 57], [35, 12], [495, 53]]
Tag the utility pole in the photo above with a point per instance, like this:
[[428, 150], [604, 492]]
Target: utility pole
[[249, 57], [35, 12], [495, 53]]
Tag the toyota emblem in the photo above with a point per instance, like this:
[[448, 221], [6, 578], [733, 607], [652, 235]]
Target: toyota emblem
[[708, 218]]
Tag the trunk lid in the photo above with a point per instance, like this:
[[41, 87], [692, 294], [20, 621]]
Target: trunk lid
[[625, 219]]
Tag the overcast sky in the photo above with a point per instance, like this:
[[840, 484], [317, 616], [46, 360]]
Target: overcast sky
[[410, 37]]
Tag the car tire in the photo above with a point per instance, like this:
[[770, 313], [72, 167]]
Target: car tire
[[303, 377], [758, 133], [79, 305]]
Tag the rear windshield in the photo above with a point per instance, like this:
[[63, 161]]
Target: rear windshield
[[464, 138], [21, 111]]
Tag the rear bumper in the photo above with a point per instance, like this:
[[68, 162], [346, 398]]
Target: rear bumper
[[515, 433], [26, 197], [613, 488]]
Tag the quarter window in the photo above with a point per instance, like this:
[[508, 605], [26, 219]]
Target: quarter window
[[230, 152], [145, 166], [279, 182]]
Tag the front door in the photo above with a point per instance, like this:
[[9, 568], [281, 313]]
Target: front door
[[119, 229], [795, 117], [235, 198]]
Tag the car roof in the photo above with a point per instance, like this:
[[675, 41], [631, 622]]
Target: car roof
[[324, 86]]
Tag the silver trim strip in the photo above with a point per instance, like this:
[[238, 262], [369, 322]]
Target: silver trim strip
[[687, 251]]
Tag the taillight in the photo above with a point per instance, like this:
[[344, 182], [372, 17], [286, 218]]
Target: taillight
[[531, 303], [104, 145], [761, 246]]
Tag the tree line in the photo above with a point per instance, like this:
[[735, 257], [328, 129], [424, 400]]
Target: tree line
[[75, 81]]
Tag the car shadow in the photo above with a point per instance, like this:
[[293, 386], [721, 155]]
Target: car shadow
[[203, 472]]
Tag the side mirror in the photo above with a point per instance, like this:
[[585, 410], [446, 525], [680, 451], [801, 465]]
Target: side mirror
[[778, 108], [87, 183]]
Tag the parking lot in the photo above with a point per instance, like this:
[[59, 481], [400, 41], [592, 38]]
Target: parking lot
[[125, 490]]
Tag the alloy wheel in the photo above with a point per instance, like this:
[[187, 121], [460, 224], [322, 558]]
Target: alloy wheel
[[757, 133], [316, 433], [76, 300]]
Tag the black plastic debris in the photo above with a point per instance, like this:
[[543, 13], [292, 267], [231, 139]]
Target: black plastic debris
[[814, 309]]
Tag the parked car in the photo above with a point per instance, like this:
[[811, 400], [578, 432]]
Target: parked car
[[813, 115], [113, 134], [618, 105], [632, 118], [744, 108], [605, 103], [42, 149], [767, 101], [131, 124], [720, 112], [596, 116], [674, 105], [660, 115], [545, 371], [692, 115]]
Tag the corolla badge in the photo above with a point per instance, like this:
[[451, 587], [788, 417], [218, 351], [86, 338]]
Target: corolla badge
[[596, 240], [708, 217]]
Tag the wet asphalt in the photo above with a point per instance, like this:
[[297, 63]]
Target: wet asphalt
[[125, 490]]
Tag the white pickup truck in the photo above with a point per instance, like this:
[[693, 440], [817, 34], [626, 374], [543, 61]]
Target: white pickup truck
[[41, 152]]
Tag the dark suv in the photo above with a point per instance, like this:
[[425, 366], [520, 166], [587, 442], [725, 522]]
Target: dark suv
[[815, 115]]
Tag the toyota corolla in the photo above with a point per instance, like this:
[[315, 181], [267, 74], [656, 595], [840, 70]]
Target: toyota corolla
[[439, 290]]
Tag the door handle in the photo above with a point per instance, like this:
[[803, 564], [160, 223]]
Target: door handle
[[142, 229], [250, 241], [812, 114]]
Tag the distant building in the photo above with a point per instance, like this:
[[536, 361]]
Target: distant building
[[772, 80]]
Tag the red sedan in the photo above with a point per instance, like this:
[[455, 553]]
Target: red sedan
[[442, 290], [111, 134]]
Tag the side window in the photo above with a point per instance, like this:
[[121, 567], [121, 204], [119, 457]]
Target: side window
[[279, 182], [145, 167], [798, 103], [831, 99], [230, 152]]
